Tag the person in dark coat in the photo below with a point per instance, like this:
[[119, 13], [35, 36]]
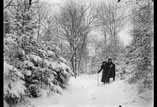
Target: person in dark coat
[[105, 72], [111, 69]]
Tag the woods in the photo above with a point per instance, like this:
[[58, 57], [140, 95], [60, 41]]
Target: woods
[[141, 50], [46, 44], [111, 18], [75, 21], [30, 65]]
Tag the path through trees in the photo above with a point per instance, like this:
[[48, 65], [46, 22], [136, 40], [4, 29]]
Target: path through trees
[[84, 92]]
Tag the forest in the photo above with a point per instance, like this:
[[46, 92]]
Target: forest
[[47, 44]]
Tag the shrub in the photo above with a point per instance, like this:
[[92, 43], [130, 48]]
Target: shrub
[[14, 89]]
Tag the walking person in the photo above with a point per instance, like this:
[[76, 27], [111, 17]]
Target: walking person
[[111, 69], [105, 72]]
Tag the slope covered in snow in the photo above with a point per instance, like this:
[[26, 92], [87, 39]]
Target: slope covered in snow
[[85, 91]]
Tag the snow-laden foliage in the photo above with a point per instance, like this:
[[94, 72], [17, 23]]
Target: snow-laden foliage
[[40, 69], [14, 88], [30, 66], [140, 53]]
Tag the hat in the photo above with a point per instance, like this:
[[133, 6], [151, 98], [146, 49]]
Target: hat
[[110, 58], [104, 62]]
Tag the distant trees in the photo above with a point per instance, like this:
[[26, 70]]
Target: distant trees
[[111, 17], [75, 21], [95, 60]]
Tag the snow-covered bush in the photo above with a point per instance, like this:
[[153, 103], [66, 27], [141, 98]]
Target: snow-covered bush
[[30, 66], [62, 72], [140, 51], [46, 72], [14, 88], [40, 68]]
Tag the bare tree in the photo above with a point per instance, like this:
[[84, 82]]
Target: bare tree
[[42, 13], [111, 17], [75, 23]]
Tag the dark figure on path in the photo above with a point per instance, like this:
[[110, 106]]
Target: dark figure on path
[[105, 72], [111, 69]]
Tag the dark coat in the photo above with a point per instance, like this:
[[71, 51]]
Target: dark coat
[[105, 73], [111, 69]]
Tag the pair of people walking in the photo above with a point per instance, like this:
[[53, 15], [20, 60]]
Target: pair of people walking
[[108, 69]]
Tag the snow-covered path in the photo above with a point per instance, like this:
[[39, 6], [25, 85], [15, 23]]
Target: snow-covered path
[[85, 92]]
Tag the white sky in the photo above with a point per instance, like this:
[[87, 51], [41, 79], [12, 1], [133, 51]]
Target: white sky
[[125, 37]]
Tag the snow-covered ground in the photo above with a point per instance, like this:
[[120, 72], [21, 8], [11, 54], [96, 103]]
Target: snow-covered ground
[[84, 91]]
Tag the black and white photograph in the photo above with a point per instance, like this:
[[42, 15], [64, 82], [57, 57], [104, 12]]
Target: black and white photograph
[[78, 53]]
